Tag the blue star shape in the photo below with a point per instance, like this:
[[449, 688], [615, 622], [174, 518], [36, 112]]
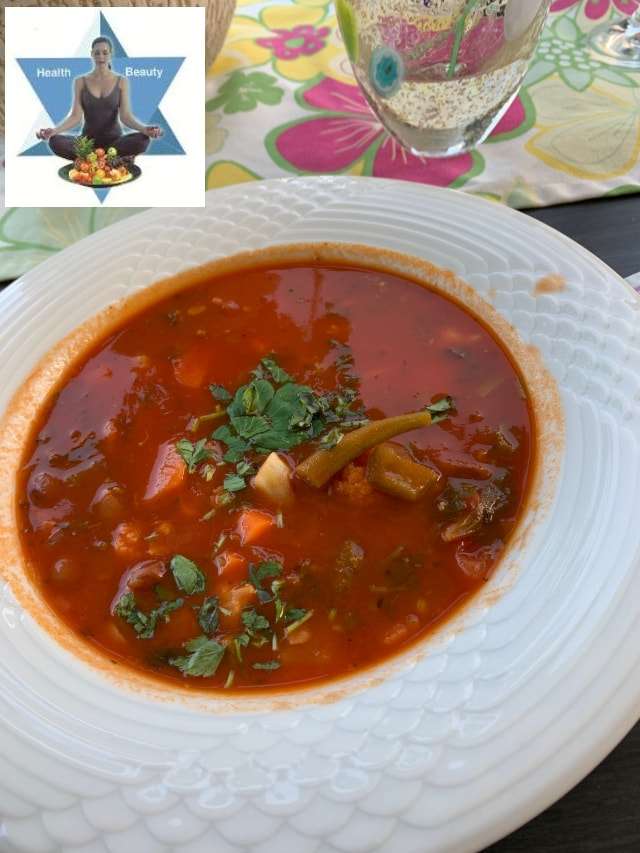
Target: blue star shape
[[146, 92]]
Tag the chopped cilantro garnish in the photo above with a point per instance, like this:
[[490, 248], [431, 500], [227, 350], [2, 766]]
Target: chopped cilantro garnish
[[267, 665], [254, 621], [230, 678], [203, 660], [209, 614], [274, 413], [224, 498], [293, 626], [234, 483], [278, 603], [332, 438], [219, 392], [244, 468], [144, 624], [440, 410], [193, 454], [208, 472], [269, 366], [260, 572], [294, 614], [187, 575], [254, 398], [236, 446], [250, 426], [240, 642], [219, 543]]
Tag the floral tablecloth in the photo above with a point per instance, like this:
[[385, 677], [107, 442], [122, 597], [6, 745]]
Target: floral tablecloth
[[281, 100]]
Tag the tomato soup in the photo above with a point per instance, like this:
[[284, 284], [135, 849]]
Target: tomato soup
[[275, 477]]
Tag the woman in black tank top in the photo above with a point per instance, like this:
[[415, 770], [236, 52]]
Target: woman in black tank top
[[102, 99]]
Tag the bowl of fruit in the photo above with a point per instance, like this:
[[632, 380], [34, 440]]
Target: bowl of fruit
[[98, 167]]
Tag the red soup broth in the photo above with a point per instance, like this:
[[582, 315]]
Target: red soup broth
[[141, 550]]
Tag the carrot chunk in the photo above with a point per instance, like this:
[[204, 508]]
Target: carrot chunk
[[168, 472], [191, 368], [253, 525], [231, 566], [233, 602]]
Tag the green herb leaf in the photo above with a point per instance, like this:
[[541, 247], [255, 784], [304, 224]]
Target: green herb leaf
[[278, 603], [240, 642], [295, 613], [126, 607], [255, 397], [208, 472], [332, 438], [203, 660], [219, 392], [259, 573], [144, 624], [274, 370], [268, 665], [209, 614], [219, 543], [193, 454], [234, 483], [236, 446], [244, 469], [441, 409], [293, 626], [225, 498], [249, 426], [263, 419], [254, 621], [187, 575]]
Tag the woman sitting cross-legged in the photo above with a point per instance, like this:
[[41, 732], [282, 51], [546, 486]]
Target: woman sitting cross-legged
[[101, 98]]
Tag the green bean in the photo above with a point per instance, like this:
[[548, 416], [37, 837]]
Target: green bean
[[317, 469]]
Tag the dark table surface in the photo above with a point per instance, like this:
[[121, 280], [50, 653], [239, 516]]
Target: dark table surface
[[602, 813]]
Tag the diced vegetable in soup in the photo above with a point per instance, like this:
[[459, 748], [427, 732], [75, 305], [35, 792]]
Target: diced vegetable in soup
[[276, 477]]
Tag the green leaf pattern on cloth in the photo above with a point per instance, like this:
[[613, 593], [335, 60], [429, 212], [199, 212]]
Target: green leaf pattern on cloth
[[242, 92], [563, 50], [281, 99]]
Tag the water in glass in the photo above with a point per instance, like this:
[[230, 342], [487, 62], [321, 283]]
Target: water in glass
[[440, 73]]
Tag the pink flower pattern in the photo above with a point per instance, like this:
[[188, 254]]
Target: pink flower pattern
[[347, 131], [423, 48], [596, 9], [303, 40]]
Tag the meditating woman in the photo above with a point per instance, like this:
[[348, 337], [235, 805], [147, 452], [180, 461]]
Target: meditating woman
[[102, 99]]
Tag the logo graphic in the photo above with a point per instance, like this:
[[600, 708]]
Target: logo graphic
[[149, 79]]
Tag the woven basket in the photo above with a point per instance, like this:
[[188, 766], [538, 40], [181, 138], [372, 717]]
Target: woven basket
[[218, 17]]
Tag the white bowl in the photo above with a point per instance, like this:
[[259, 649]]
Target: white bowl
[[503, 710]]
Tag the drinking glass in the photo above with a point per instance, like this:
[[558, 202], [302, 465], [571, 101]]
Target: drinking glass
[[618, 43], [440, 73]]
